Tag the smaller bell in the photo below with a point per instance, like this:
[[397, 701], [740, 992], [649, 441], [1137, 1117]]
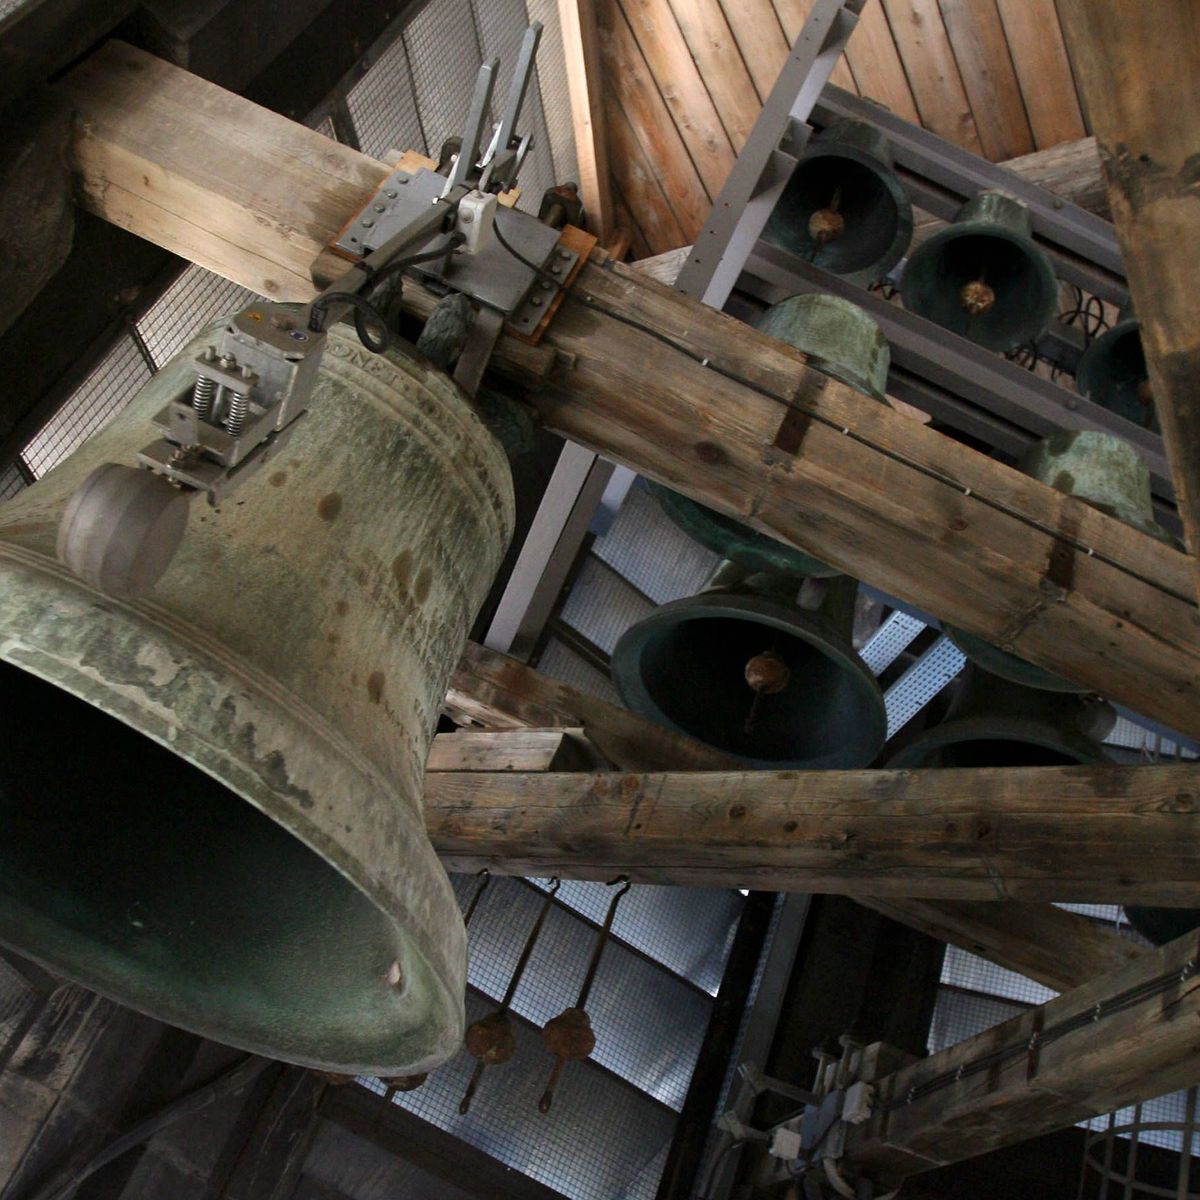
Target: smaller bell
[[844, 207], [984, 277], [1101, 470], [760, 669], [841, 341], [993, 722], [1112, 372]]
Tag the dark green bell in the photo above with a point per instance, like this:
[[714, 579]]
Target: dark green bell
[[1112, 372], [759, 669], [844, 207], [1101, 470], [841, 341], [1162, 925], [983, 277], [993, 722]]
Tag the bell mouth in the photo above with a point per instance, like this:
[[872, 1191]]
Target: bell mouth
[[998, 742], [131, 871], [877, 215], [1024, 285], [685, 667]]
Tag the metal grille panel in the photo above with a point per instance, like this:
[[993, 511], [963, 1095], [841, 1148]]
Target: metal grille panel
[[958, 1016], [602, 604], [11, 482], [383, 106], [98, 399], [649, 550], [560, 662], [194, 299], [601, 1140], [964, 970], [921, 682]]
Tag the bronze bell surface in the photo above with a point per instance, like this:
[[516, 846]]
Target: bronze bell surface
[[1101, 470], [1112, 372], [210, 799], [994, 722], [841, 341], [984, 277], [762, 668], [844, 208]]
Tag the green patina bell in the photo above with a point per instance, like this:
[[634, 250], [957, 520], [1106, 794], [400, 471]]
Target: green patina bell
[[842, 342], [210, 799], [1112, 372], [993, 722], [984, 277], [844, 207], [759, 667], [1101, 470]]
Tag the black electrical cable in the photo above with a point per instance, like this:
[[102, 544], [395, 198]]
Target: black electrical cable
[[539, 271], [734, 377], [705, 1193]]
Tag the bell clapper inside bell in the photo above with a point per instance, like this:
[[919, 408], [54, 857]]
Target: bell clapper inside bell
[[976, 297], [827, 224], [766, 674]]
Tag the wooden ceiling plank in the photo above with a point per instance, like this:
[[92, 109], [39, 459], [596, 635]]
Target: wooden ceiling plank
[[872, 493], [932, 71], [792, 14], [658, 218], [664, 159], [722, 69], [638, 243], [875, 61], [1138, 67], [674, 72], [1055, 947], [581, 49], [1040, 59], [977, 37], [1023, 833], [760, 38]]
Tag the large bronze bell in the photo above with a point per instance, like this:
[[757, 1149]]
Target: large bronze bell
[[984, 277], [1112, 372], [844, 207], [841, 341], [1101, 470], [210, 800], [759, 667], [993, 722]]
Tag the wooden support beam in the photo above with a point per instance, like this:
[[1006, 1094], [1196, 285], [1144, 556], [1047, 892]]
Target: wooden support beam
[[582, 49], [1118, 834], [1054, 946], [687, 396], [497, 692], [513, 750], [1027, 1076], [1136, 65]]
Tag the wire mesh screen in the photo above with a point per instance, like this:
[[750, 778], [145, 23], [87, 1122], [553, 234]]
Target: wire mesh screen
[[969, 972], [561, 662], [602, 604], [194, 299], [98, 399], [601, 1140], [648, 1022], [961, 1015], [688, 930], [11, 482]]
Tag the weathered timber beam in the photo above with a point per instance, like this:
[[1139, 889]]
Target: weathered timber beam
[[1136, 65], [687, 396], [498, 692], [1058, 948], [1117, 834], [1143, 1050], [513, 750]]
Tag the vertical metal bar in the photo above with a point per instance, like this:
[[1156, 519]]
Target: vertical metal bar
[[761, 171], [1184, 1178], [1135, 1134], [477, 116]]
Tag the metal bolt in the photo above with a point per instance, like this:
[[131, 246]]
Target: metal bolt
[[367, 222], [564, 254], [546, 285], [390, 193], [227, 361], [298, 335], [556, 270], [210, 354], [536, 301], [381, 208], [403, 181]]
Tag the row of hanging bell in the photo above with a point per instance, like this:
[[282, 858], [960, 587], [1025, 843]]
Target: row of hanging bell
[[761, 664], [212, 798]]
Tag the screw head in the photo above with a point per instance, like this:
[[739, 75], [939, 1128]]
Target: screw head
[[556, 270], [381, 208], [367, 222], [390, 194], [536, 301], [564, 254], [298, 335]]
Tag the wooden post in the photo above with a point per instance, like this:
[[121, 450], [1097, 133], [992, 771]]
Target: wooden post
[[1054, 946], [1137, 66], [580, 44], [1119, 834], [685, 395], [1044, 1070]]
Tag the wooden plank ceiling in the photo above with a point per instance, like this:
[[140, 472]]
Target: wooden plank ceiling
[[685, 79]]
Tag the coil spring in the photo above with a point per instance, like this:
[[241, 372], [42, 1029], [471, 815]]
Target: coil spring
[[239, 405], [203, 395]]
